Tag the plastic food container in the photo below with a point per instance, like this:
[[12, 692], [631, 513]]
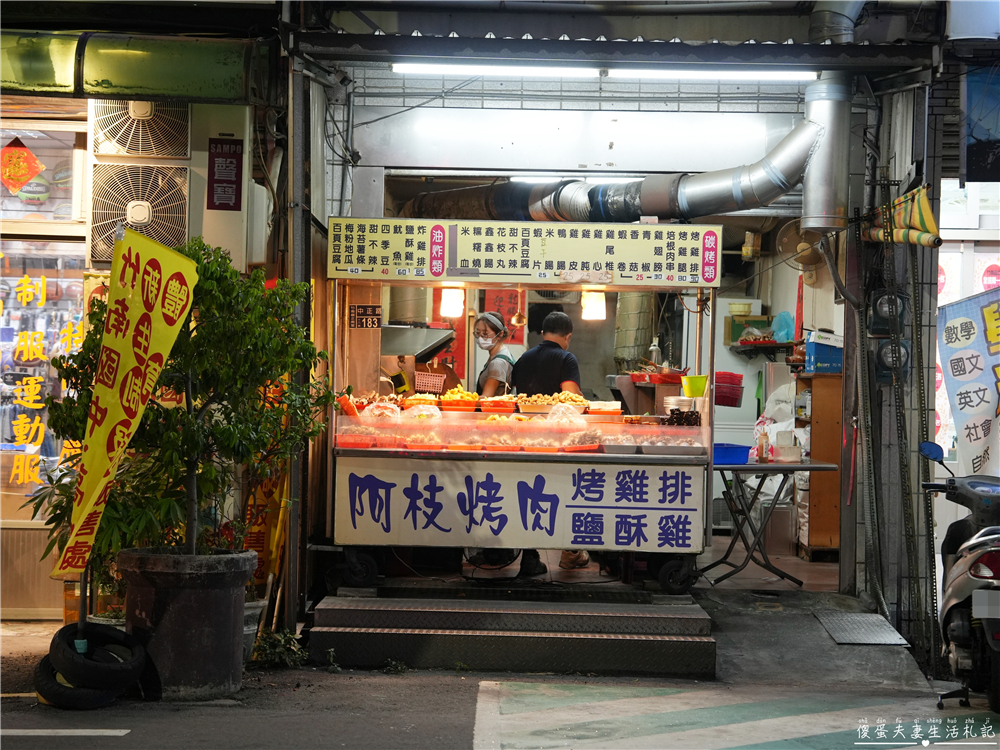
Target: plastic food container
[[728, 453], [694, 385], [619, 449], [739, 308], [355, 441]]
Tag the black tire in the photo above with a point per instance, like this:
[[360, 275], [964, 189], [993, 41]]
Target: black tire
[[114, 659], [364, 574], [674, 579], [52, 688], [993, 689]]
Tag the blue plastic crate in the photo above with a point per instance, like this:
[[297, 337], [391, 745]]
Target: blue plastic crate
[[728, 453]]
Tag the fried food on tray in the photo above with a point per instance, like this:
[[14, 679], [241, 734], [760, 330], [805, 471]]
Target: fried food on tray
[[542, 399], [458, 393]]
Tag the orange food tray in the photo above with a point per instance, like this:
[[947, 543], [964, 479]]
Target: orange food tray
[[498, 409], [463, 447], [580, 448], [499, 448], [354, 441], [541, 449], [445, 406], [425, 446], [606, 412]]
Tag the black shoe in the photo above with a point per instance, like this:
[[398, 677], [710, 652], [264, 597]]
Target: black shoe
[[531, 567]]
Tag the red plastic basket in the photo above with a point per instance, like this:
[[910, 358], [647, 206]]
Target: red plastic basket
[[728, 395], [728, 378]]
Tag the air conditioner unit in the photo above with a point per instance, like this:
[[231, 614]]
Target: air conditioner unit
[[174, 171], [553, 297], [150, 198], [152, 130]]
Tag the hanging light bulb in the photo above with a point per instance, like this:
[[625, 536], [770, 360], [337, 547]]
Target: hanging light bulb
[[452, 303], [594, 307]]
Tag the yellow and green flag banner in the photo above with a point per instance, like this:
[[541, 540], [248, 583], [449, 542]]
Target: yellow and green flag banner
[[151, 290], [912, 221], [901, 236]]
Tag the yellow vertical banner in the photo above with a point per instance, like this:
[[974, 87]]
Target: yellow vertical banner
[[264, 511], [150, 294]]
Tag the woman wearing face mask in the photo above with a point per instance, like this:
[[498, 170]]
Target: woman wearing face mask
[[491, 333]]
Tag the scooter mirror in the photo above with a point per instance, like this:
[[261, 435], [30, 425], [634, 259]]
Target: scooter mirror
[[932, 451]]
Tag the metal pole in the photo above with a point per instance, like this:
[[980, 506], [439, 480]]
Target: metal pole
[[697, 335], [299, 269], [81, 620]]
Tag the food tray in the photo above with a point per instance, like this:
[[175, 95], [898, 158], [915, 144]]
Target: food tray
[[606, 412], [445, 406], [535, 408], [498, 408], [581, 448], [455, 447], [355, 441], [425, 446], [620, 449], [541, 448], [407, 404], [388, 441], [499, 448], [673, 450]]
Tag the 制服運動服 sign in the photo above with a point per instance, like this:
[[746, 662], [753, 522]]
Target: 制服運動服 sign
[[510, 252], [453, 503]]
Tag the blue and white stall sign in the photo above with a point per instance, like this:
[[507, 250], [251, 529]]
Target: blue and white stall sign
[[969, 350], [516, 504]]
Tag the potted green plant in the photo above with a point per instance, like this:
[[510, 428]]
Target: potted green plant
[[251, 402]]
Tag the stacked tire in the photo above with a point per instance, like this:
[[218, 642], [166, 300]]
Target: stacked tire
[[111, 664]]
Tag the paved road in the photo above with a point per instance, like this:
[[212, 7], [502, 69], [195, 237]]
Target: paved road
[[306, 708]]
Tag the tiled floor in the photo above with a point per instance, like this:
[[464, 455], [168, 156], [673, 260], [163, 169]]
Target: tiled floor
[[815, 576]]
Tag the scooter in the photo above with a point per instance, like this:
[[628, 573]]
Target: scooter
[[970, 599]]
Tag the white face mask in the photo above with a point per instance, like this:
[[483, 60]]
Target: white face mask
[[485, 343]]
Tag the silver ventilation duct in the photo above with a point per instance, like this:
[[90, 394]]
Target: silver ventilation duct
[[834, 21], [815, 153]]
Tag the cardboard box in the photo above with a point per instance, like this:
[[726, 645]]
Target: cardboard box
[[823, 337], [734, 326], [823, 358]]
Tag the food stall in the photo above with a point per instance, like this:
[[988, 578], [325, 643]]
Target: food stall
[[426, 468]]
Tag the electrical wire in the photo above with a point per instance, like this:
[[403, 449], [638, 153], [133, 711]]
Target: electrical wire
[[443, 94]]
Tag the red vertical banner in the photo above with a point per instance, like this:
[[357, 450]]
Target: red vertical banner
[[506, 303], [454, 356]]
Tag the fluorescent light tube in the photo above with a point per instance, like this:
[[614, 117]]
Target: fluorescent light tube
[[715, 74], [499, 71]]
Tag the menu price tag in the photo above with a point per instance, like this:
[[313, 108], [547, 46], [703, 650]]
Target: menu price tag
[[364, 316]]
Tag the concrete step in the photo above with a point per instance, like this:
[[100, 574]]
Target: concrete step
[[517, 616], [690, 656], [515, 589]]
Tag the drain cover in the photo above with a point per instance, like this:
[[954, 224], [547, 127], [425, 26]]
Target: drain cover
[[860, 628]]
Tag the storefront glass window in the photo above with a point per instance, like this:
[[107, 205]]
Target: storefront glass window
[[41, 292], [48, 196]]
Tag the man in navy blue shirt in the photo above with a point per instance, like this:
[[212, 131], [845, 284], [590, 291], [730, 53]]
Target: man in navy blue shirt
[[547, 369]]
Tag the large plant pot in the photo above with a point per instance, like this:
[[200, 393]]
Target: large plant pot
[[187, 611]]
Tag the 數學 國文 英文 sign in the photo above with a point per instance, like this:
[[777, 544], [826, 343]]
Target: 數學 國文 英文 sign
[[364, 316], [513, 504], [424, 250], [969, 351]]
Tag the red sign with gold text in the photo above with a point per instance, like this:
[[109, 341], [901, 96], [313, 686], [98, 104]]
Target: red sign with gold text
[[505, 302]]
